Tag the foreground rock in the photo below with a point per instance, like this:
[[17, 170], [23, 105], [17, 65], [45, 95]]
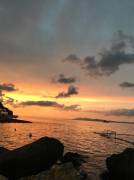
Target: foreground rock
[[120, 166], [31, 159], [58, 172], [69, 168], [3, 177], [76, 159], [3, 150]]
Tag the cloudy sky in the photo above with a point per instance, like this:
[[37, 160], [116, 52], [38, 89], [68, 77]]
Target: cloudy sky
[[67, 58]]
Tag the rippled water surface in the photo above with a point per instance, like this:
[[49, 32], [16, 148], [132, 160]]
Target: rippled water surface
[[77, 136]]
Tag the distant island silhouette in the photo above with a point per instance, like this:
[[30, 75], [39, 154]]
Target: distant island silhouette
[[101, 120], [7, 116]]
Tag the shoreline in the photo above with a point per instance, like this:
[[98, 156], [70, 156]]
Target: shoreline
[[14, 121]]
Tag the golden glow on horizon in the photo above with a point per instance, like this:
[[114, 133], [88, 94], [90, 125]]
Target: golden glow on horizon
[[71, 100], [86, 103], [23, 97]]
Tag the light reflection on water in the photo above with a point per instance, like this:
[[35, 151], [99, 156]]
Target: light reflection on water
[[77, 136]]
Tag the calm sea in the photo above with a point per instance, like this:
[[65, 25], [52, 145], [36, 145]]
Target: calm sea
[[77, 136]]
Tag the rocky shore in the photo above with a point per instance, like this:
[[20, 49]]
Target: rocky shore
[[44, 159], [7, 116]]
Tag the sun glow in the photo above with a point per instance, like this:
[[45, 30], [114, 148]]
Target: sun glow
[[23, 97], [71, 100], [86, 104]]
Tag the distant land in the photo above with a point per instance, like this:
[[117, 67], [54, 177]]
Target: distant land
[[14, 121], [7, 116], [101, 120]]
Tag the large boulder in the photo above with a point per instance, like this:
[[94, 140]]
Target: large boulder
[[75, 158], [31, 159], [3, 177], [3, 150], [120, 166]]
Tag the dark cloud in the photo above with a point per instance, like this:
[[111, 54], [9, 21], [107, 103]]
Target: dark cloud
[[64, 80], [121, 112], [115, 112], [72, 90], [119, 53], [7, 87], [91, 66], [53, 104], [127, 85], [111, 60], [74, 107], [72, 58], [42, 104]]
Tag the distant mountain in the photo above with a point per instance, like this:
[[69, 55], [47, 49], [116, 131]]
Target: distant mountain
[[101, 120], [90, 119]]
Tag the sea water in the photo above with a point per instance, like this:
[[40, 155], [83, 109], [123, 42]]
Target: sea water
[[77, 136]]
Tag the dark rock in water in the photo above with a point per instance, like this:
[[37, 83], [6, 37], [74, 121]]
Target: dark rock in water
[[120, 166], [75, 158], [31, 159], [3, 150]]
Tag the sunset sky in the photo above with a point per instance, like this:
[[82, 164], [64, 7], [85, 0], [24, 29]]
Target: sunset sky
[[67, 58]]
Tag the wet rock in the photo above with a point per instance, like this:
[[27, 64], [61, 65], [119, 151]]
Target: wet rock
[[31, 159], [58, 172], [75, 158], [120, 166]]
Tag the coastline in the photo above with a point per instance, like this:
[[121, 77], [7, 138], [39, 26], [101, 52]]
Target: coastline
[[102, 120], [14, 121]]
